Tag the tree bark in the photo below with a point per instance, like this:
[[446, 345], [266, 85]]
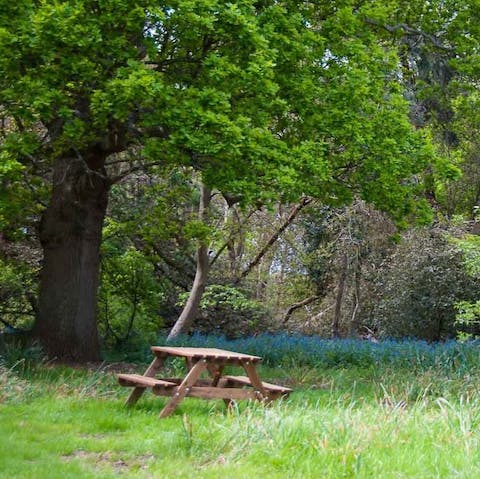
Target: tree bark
[[191, 307], [70, 234], [354, 324], [339, 299]]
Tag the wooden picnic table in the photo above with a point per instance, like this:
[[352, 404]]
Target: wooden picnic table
[[216, 386]]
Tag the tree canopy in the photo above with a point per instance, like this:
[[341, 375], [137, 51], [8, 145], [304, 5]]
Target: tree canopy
[[266, 100]]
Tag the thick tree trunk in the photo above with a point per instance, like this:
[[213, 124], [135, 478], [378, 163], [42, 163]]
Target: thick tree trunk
[[190, 309], [70, 233]]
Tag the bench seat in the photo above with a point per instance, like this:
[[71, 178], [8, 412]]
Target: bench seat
[[137, 380], [245, 381]]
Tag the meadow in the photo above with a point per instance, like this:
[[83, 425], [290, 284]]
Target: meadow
[[359, 409]]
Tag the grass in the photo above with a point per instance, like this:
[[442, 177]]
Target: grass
[[360, 420]]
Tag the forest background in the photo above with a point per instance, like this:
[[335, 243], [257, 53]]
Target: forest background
[[237, 168]]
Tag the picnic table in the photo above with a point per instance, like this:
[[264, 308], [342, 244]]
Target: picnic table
[[217, 386]]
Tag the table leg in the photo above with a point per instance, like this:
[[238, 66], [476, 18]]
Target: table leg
[[255, 380], [137, 392], [216, 373], [182, 390]]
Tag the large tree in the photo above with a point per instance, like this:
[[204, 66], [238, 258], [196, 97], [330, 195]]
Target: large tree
[[268, 100]]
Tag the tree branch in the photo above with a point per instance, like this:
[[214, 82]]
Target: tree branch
[[116, 179], [408, 30], [292, 308], [231, 236], [271, 241]]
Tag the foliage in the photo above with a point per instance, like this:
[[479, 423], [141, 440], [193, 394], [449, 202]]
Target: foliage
[[239, 91], [462, 196], [17, 283], [19, 356], [10, 204], [468, 312], [438, 44], [226, 310], [130, 293], [419, 286], [216, 295], [470, 247], [268, 101], [344, 248], [467, 319]]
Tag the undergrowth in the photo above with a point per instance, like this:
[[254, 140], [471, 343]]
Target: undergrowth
[[295, 350]]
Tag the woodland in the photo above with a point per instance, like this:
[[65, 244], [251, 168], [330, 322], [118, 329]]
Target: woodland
[[237, 168]]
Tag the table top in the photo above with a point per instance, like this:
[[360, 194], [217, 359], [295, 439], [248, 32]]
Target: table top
[[203, 353]]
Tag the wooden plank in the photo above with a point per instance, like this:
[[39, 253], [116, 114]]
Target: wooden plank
[[204, 353], [240, 380], [234, 394], [244, 380], [228, 388], [181, 391], [137, 380], [136, 394], [255, 381], [199, 382], [206, 392], [216, 372]]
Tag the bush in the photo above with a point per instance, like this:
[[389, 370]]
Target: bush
[[419, 286], [468, 312], [227, 311], [19, 353], [16, 291], [129, 297]]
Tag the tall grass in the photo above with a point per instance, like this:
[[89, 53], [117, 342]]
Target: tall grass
[[359, 410]]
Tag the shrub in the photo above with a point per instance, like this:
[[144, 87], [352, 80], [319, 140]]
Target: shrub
[[19, 354], [468, 312], [129, 297], [227, 310], [16, 292], [419, 286]]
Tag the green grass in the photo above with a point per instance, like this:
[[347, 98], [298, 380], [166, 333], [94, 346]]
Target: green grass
[[362, 422]]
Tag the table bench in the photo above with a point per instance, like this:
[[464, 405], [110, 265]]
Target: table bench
[[217, 386]]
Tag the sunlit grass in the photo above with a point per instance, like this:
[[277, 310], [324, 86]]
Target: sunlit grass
[[360, 422]]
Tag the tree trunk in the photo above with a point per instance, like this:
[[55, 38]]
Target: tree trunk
[[190, 309], [357, 277], [339, 299], [236, 240], [71, 233]]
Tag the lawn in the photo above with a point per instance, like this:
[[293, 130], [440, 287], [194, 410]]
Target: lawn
[[417, 417]]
